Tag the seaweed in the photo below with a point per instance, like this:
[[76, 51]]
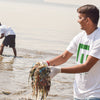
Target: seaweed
[[41, 82]]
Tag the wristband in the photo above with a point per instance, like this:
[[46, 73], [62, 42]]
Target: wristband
[[48, 63]]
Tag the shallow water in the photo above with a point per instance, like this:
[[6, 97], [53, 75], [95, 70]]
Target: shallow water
[[14, 73]]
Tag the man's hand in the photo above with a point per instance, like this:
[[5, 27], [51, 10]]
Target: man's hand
[[44, 63], [54, 71], [2, 35]]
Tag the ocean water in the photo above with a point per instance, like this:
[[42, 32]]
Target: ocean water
[[43, 32], [14, 74]]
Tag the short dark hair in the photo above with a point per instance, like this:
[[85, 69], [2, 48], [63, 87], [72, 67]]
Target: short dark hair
[[0, 24], [90, 11]]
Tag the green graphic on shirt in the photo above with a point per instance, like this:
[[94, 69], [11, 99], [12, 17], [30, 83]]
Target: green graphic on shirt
[[85, 47]]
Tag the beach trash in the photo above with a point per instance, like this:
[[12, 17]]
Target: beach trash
[[6, 92], [41, 82]]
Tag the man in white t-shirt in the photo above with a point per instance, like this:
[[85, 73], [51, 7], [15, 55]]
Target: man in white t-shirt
[[9, 40], [87, 47]]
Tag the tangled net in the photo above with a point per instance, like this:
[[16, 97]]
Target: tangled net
[[40, 81]]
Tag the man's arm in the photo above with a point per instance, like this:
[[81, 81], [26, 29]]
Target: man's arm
[[2, 35], [90, 62], [60, 59]]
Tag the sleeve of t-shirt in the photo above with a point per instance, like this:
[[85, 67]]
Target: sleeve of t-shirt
[[3, 30], [95, 51], [72, 47]]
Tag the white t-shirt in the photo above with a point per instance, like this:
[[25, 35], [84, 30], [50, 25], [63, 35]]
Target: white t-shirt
[[86, 84], [6, 30]]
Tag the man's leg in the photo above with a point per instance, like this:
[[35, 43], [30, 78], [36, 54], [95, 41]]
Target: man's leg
[[15, 53], [1, 49]]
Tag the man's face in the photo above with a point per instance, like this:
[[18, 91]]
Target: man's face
[[82, 20]]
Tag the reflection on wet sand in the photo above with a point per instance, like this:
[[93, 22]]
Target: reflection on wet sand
[[6, 63]]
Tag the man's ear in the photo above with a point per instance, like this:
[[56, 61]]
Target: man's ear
[[89, 20]]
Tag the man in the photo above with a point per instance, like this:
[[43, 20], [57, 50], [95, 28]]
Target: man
[[87, 47], [9, 40]]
